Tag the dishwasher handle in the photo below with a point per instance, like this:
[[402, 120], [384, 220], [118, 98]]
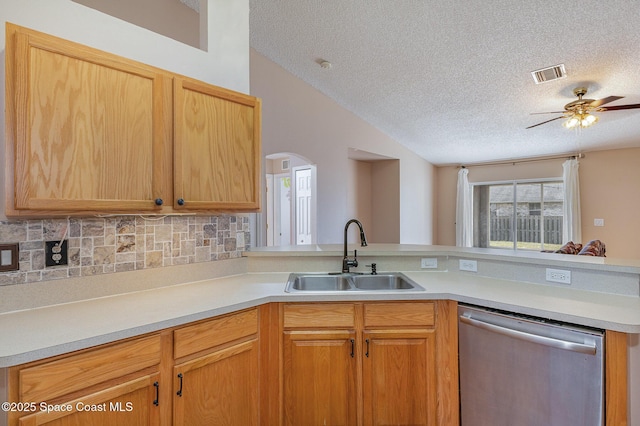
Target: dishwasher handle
[[534, 338]]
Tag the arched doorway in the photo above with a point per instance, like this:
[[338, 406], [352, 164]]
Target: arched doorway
[[289, 217]]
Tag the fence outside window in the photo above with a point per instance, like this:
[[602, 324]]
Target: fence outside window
[[529, 229]]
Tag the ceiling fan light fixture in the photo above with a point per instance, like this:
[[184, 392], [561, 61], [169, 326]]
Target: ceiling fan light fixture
[[577, 114], [580, 120], [588, 120], [571, 123]]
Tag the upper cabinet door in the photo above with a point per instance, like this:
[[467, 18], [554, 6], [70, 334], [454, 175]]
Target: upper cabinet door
[[217, 148], [86, 130]]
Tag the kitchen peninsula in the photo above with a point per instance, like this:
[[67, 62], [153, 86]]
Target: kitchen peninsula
[[51, 319]]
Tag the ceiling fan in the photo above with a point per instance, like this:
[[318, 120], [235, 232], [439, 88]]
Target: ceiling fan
[[579, 113]]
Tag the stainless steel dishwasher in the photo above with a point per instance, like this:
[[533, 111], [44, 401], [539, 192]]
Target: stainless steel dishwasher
[[525, 371]]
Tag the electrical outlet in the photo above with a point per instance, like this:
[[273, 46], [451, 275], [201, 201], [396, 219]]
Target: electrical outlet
[[55, 254], [598, 222], [559, 276], [468, 265], [429, 263]]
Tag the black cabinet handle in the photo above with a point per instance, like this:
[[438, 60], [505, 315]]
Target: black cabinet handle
[[159, 201], [353, 344], [367, 352], [180, 201], [179, 393], [156, 401]]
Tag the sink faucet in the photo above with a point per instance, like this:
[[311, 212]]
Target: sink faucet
[[346, 262]]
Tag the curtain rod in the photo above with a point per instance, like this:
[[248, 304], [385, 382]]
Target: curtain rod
[[526, 160]]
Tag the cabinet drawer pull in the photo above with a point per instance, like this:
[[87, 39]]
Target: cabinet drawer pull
[[353, 344], [180, 201], [179, 393], [367, 352], [159, 201], [156, 401]]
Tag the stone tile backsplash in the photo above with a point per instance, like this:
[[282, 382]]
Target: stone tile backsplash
[[122, 243]]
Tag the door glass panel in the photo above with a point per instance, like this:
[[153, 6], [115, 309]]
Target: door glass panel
[[501, 216], [528, 216], [553, 210]]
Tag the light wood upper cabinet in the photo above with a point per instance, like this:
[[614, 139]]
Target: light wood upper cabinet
[[217, 148], [86, 131], [91, 132]]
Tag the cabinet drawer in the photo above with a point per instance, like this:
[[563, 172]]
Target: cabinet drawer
[[47, 381], [194, 338], [319, 315], [399, 314]]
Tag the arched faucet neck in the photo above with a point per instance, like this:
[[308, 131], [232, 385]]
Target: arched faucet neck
[[346, 262]]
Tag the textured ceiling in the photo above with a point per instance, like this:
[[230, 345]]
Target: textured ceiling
[[451, 80]]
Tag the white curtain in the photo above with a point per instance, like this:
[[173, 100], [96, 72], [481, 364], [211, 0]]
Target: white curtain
[[464, 212], [571, 225]]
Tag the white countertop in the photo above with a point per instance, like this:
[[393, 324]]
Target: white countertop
[[41, 332]]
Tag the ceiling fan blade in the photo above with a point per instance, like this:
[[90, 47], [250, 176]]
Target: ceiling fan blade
[[603, 101], [544, 122], [618, 107], [548, 112]]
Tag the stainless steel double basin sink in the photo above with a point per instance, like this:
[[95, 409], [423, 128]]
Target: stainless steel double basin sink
[[388, 281]]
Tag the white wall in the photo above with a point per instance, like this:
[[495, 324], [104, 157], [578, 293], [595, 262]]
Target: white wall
[[385, 179], [359, 199], [169, 17], [297, 118], [226, 63]]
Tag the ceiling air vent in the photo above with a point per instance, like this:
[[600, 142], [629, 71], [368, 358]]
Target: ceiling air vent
[[549, 74]]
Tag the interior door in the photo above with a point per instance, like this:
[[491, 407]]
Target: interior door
[[304, 181]]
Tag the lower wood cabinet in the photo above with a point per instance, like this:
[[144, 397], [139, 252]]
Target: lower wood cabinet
[[218, 389], [204, 373], [362, 364], [347, 363], [130, 403], [399, 377], [279, 364], [320, 380], [220, 385], [117, 384]]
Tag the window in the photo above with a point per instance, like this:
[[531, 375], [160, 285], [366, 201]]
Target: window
[[520, 215]]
